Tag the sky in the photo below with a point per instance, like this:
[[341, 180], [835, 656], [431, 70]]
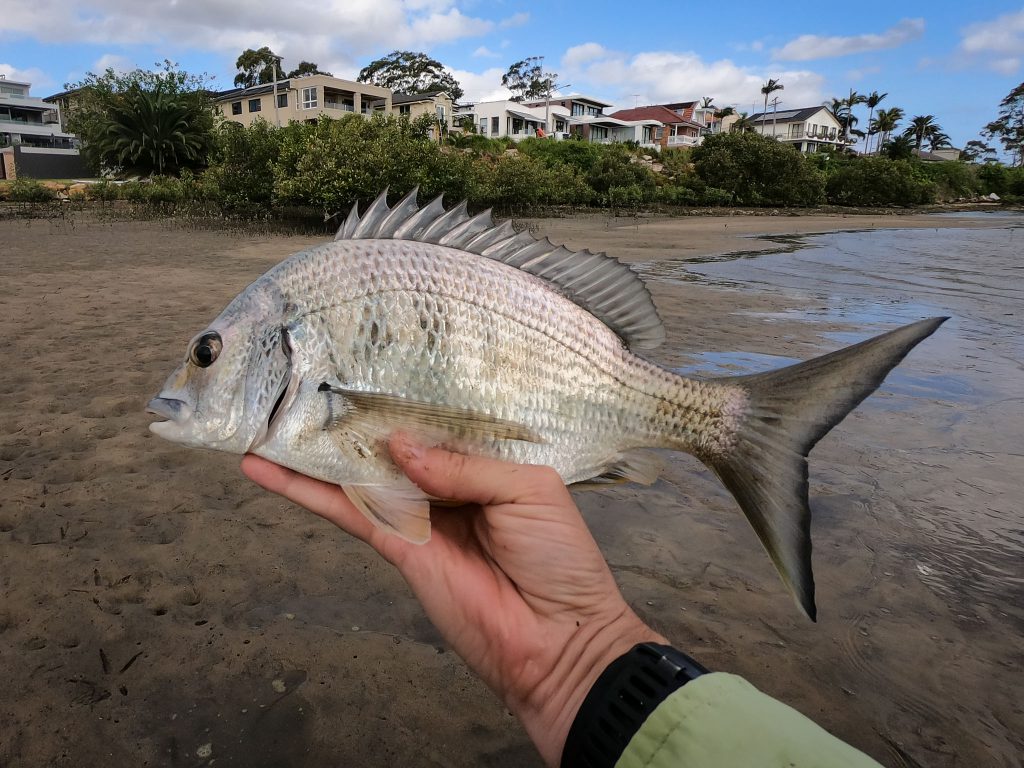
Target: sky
[[953, 60]]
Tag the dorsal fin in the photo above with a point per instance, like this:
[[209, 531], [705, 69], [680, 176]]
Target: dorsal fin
[[599, 283]]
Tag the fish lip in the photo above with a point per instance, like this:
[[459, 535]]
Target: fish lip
[[169, 408]]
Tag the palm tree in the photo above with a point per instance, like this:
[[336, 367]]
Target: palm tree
[[721, 114], [743, 124], [920, 128], [152, 132], [768, 89], [938, 140], [872, 100], [885, 123], [707, 102], [851, 120], [899, 148]]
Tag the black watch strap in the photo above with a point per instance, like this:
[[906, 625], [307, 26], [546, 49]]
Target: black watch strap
[[625, 694]]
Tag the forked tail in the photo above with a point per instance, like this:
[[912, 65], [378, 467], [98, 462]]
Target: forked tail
[[789, 410]]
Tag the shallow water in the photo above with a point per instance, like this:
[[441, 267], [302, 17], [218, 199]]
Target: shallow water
[[969, 375]]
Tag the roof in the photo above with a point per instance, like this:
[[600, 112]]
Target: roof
[[789, 115], [557, 97], [660, 113], [409, 98], [255, 90], [525, 115]]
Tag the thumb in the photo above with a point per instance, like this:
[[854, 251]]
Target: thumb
[[475, 479]]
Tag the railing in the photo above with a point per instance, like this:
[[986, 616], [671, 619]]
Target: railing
[[339, 105], [683, 141]]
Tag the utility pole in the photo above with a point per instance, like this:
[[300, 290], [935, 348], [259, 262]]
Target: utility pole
[[775, 112], [277, 116]]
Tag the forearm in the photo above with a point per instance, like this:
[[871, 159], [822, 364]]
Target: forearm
[[547, 710]]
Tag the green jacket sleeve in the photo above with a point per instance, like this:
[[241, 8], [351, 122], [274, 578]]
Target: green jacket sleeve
[[720, 721]]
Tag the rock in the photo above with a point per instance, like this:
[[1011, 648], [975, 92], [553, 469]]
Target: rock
[[993, 197], [511, 152]]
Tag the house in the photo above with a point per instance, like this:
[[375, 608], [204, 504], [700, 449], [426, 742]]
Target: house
[[302, 99], [498, 119], [435, 103], [32, 142], [670, 129], [583, 111], [938, 155], [811, 129]]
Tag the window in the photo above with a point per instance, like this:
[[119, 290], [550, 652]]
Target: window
[[483, 127], [236, 107], [441, 114], [309, 98], [404, 109], [495, 126], [594, 111], [282, 100], [577, 109], [255, 105], [659, 132]]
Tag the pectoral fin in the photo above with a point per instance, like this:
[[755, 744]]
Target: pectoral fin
[[399, 510], [382, 414]]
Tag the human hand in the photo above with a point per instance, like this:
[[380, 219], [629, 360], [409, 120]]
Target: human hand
[[516, 584]]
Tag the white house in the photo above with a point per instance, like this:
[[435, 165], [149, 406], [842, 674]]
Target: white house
[[31, 137], [498, 119], [810, 129]]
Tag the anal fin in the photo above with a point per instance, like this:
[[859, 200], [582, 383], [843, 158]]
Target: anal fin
[[398, 510], [637, 466]]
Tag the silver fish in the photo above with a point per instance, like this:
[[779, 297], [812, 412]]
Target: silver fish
[[489, 341]]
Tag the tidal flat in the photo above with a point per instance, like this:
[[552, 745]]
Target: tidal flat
[[157, 608]]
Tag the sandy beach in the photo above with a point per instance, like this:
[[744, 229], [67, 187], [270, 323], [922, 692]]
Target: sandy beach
[[158, 609]]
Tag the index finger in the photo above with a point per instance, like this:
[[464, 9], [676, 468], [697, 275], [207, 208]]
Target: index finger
[[476, 479]]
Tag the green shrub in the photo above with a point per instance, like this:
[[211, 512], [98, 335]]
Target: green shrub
[[102, 190], [756, 170], [242, 171], [880, 181], [952, 179], [29, 191]]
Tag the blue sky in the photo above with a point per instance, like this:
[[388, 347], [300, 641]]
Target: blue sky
[[951, 60]]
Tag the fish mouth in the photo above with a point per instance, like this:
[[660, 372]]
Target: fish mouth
[[176, 412]]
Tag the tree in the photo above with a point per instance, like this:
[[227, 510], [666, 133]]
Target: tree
[[143, 121], [527, 79], [872, 100], [768, 89], [938, 140], [721, 114], [256, 67], [921, 128], [899, 148], [410, 72], [307, 68], [707, 102], [976, 150], [149, 132], [885, 122], [1008, 128], [742, 124], [757, 170]]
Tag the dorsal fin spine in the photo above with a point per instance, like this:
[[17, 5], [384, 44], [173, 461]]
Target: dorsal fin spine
[[602, 285]]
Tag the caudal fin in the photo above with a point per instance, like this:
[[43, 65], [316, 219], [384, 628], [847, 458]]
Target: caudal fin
[[790, 409]]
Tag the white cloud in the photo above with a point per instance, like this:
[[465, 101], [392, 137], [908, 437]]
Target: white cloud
[[112, 61], [483, 52], [482, 86], [579, 55], [657, 77], [516, 20], [998, 42], [332, 32], [810, 47], [38, 79]]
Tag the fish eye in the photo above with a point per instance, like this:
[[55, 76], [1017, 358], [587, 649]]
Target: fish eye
[[205, 349]]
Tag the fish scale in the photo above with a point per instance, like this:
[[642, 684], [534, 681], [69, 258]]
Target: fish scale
[[488, 341]]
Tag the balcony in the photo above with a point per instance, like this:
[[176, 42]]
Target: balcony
[[683, 141]]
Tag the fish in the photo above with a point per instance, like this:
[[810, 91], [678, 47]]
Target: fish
[[489, 341]]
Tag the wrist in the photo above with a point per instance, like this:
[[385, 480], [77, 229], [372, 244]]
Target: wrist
[[548, 710]]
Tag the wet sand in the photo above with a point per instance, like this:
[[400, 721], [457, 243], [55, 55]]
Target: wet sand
[[157, 609]]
